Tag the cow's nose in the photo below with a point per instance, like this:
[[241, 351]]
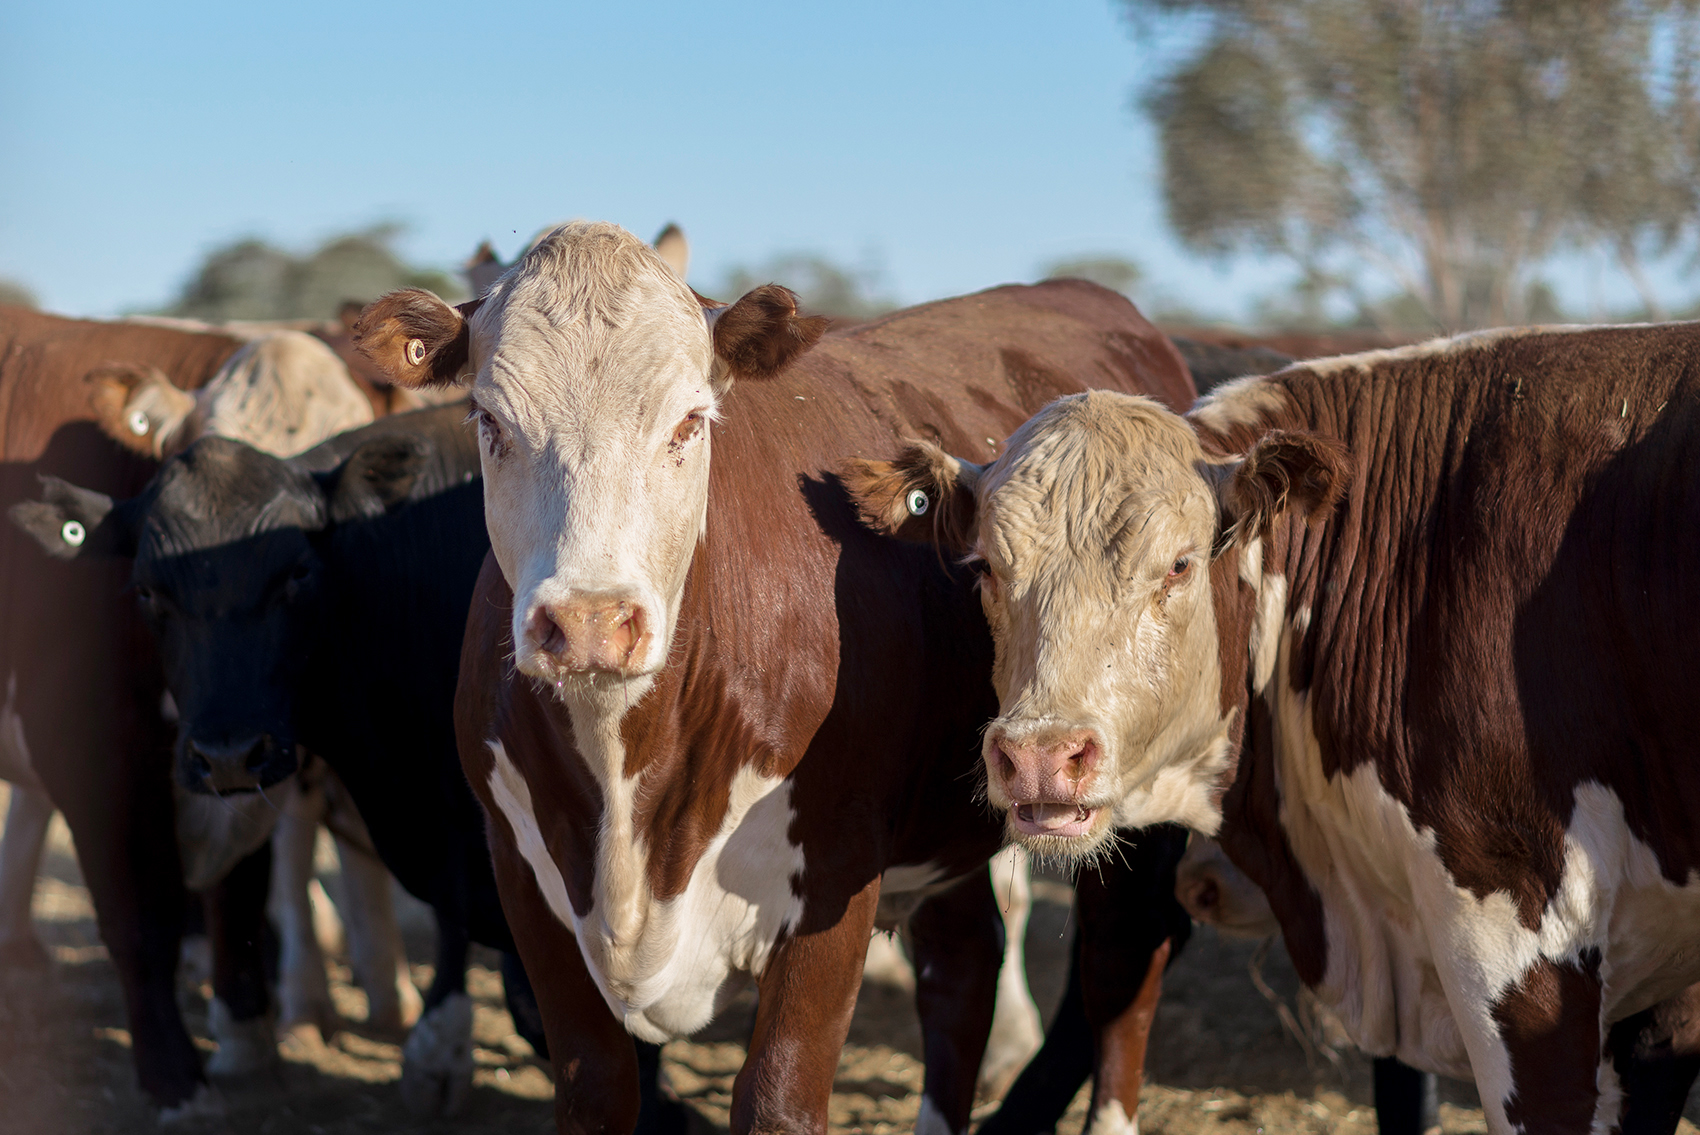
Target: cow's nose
[[228, 765], [1054, 768], [606, 633]]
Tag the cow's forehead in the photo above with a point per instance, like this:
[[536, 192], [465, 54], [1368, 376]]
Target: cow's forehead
[[219, 492], [589, 313], [1096, 474]]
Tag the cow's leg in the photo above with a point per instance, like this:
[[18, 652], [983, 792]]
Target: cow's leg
[[1407, 1102], [596, 1071], [375, 949], [1538, 1052], [304, 992], [807, 994], [1130, 926], [1657, 1056], [436, 1069], [27, 818], [1045, 1088], [958, 941], [1017, 1031], [236, 927], [127, 848]]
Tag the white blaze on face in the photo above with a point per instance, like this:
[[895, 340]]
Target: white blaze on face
[[1094, 531], [594, 398]]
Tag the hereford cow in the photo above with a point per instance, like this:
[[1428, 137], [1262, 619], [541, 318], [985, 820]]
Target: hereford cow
[[720, 730], [1410, 629]]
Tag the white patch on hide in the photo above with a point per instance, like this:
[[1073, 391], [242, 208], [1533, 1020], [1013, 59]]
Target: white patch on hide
[[1110, 1119], [665, 968], [1416, 963]]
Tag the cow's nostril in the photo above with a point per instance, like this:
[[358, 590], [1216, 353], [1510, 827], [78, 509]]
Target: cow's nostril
[[547, 633]]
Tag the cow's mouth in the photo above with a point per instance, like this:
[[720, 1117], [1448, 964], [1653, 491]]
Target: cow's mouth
[[1053, 819]]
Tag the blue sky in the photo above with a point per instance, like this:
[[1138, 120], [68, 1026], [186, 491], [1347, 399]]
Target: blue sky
[[957, 145]]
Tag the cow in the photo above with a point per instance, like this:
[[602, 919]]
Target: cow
[[283, 391], [1408, 630], [69, 640], [719, 729], [319, 601]]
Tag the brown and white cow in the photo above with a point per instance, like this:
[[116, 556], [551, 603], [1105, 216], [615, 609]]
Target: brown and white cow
[[718, 726], [1412, 628]]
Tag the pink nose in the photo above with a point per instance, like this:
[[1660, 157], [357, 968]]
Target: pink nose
[[1054, 768], [592, 634]]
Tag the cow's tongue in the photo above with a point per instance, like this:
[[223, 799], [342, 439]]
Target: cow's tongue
[[1049, 817]]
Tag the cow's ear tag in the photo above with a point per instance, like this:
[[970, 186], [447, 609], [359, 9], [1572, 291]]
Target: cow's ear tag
[[917, 502], [416, 351], [139, 423], [73, 533]]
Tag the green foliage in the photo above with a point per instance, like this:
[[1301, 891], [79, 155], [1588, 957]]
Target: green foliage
[[1114, 272], [251, 279], [1453, 145], [823, 287], [16, 294]]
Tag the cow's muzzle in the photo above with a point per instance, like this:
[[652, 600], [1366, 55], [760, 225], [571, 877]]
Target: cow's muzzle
[[249, 763], [1045, 779], [606, 633]]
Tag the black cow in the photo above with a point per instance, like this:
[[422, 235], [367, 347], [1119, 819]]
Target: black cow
[[319, 601]]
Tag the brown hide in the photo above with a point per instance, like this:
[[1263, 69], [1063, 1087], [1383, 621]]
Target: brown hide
[[809, 647], [88, 686], [1502, 610]]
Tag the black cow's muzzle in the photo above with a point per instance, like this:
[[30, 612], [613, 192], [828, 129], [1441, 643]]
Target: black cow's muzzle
[[242, 764]]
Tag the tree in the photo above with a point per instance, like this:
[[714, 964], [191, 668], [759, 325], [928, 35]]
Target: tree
[[15, 293], [822, 286], [1113, 272], [1451, 145], [251, 279]]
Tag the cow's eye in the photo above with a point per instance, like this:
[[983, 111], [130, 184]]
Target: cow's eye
[[1180, 567], [688, 427], [987, 581], [144, 594]]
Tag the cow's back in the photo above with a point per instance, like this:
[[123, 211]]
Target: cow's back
[[966, 372]]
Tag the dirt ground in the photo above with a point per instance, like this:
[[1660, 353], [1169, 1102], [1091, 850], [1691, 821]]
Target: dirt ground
[[1222, 1063]]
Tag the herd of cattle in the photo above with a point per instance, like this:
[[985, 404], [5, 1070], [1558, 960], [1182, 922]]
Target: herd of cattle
[[668, 646]]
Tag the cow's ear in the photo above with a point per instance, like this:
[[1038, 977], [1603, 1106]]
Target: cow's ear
[[1285, 470], [674, 249], [71, 523], [926, 495], [415, 339], [139, 408], [378, 477], [760, 335]]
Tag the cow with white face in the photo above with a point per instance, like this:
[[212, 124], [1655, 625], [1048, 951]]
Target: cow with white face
[[720, 729], [1410, 631]]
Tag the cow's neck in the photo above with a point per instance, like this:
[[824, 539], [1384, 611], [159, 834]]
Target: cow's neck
[[685, 756]]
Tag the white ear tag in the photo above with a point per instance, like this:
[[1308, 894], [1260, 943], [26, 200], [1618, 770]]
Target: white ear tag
[[73, 533], [139, 423], [416, 351], [917, 502]]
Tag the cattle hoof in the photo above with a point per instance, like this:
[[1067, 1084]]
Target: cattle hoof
[[244, 1047], [436, 1068], [205, 1104]]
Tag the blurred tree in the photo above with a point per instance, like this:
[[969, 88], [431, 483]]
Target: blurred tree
[[1113, 272], [1452, 144], [13, 292], [250, 279], [823, 287]]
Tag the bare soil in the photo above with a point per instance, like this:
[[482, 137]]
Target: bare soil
[[1222, 1062]]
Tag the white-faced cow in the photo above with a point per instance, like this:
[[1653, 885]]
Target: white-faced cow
[[719, 728], [1412, 629]]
